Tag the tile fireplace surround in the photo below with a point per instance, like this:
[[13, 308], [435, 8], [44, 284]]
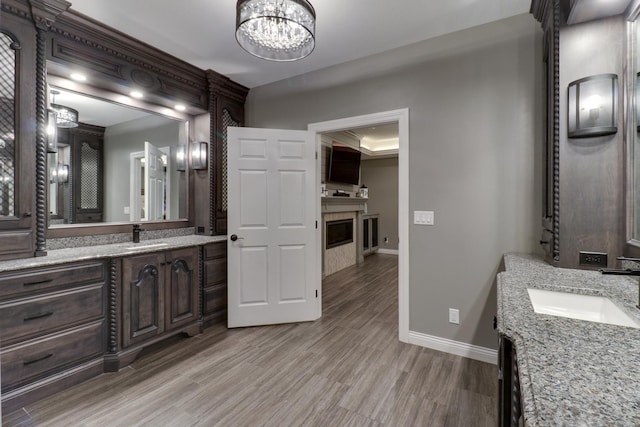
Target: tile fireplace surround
[[341, 208]]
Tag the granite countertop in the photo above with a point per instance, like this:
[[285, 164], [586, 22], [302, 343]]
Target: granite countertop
[[572, 372], [86, 253]]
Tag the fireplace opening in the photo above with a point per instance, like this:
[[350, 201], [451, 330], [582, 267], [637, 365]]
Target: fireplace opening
[[339, 233]]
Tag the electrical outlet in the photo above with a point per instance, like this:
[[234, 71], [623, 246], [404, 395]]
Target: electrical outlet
[[594, 259], [454, 316]]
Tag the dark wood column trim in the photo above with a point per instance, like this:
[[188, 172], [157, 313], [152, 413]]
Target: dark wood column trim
[[44, 14]]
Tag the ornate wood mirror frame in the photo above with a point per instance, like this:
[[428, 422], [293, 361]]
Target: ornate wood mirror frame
[[118, 63]]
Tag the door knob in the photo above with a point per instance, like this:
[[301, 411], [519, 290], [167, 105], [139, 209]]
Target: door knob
[[235, 237]]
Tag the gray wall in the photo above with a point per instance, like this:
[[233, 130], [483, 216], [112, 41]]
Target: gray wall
[[119, 142], [381, 177], [475, 108]]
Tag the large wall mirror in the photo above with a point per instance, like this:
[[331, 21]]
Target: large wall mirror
[[119, 161], [633, 133]]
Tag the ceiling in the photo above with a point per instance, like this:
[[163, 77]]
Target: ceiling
[[202, 32]]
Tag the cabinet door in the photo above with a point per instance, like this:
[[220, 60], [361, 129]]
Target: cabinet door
[[365, 235], [87, 163], [230, 114], [17, 136], [143, 297], [182, 287], [374, 232]]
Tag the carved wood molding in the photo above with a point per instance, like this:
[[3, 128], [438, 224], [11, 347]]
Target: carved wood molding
[[213, 160], [120, 60], [113, 306], [45, 12], [224, 86], [77, 39], [540, 9], [41, 144], [547, 12], [20, 9], [556, 131], [201, 299]]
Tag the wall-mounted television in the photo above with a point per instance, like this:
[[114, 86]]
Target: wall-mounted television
[[344, 165]]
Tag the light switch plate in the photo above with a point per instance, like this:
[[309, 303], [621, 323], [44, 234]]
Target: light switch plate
[[423, 217]]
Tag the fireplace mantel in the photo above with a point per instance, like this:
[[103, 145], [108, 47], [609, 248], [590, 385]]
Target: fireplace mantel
[[343, 204]]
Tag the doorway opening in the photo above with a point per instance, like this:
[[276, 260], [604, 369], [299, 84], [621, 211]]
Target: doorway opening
[[401, 119]]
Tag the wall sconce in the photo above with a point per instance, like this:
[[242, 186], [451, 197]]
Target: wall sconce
[[181, 158], [52, 132], [637, 102], [593, 106], [199, 155], [60, 174]]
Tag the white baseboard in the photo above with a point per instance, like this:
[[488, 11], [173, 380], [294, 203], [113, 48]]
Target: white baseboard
[[388, 251], [482, 354]]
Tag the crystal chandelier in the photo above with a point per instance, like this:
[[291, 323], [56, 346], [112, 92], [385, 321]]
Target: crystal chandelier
[[66, 117], [277, 30]]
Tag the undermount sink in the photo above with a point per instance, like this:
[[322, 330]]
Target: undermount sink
[[148, 246], [576, 306]]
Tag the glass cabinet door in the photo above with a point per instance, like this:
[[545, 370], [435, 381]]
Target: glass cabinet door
[[7, 127]]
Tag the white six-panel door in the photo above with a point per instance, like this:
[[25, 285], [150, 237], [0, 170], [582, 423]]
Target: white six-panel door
[[154, 182], [272, 235]]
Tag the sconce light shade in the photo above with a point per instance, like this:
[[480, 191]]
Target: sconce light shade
[[199, 155], [60, 173], [52, 132], [181, 158], [593, 106]]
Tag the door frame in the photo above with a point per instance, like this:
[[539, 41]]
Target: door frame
[[401, 117]]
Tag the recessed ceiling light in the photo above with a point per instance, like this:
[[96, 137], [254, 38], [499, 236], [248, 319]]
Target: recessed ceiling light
[[78, 77], [180, 107], [136, 94]]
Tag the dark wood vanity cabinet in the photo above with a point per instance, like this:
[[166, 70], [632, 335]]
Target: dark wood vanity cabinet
[[509, 393], [143, 297], [160, 297], [214, 283], [53, 323]]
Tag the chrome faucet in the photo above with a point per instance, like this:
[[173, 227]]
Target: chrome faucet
[[136, 233], [625, 272]]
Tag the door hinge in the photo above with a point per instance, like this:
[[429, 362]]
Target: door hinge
[[316, 293], [316, 225], [316, 155]]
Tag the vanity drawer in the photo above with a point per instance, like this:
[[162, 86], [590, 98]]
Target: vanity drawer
[[28, 281], [26, 361], [39, 315], [215, 271], [215, 298], [215, 250]]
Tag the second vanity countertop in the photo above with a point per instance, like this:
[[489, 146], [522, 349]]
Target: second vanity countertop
[[572, 372], [86, 253]]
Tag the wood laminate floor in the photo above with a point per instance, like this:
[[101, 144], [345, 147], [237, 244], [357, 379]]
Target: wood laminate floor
[[347, 369]]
